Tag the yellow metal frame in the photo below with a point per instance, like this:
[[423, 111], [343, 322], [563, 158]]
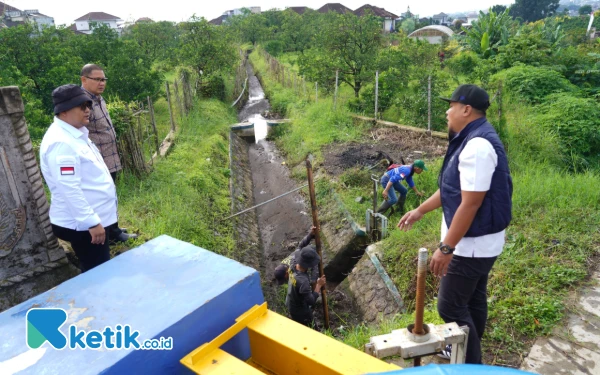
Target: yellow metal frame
[[283, 347]]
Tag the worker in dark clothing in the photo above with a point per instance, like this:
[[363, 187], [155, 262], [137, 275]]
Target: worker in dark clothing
[[282, 270], [300, 296]]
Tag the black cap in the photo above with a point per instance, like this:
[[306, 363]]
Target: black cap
[[68, 96], [472, 95], [280, 272], [308, 257]]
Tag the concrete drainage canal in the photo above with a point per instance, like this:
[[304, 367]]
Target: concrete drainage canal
[[357, 287]]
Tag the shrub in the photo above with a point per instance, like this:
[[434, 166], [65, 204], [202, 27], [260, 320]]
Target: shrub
[[213, 87], [274, 47], [532, 83], [575, 120]]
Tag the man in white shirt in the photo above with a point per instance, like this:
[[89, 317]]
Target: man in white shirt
[[84, 202], [475, 194]]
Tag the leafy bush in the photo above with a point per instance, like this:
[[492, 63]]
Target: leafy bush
[[119, 114], [533, 84], [274, 47], [213, 87], [575, 120]]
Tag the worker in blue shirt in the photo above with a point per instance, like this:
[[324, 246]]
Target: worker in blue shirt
[[393, 178]]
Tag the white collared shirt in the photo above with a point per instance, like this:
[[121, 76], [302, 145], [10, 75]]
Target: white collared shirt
[[476, 165], [83, 192]]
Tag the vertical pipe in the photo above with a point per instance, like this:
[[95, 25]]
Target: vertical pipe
[[420, 302], [313, 205]]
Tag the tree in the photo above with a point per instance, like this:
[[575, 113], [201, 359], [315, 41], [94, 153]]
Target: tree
[[533, 10], [498, 9], [408, 26], [157, 40], [250, 27], [205, 47], [489, 32], [297, 31], [585, 10], [347, 43]]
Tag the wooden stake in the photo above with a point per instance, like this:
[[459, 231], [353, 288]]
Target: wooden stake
[[170, 108], [313, 205]]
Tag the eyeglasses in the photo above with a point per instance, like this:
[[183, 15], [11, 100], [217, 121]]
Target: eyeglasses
[[86, 105], [97, 79]]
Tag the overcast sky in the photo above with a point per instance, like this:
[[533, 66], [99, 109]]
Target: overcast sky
[[66, 11]]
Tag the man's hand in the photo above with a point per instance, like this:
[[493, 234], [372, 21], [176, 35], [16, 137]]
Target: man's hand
[[439, 263], [419, 194], [409, 219], [385, 195], [313, 230], [98, 234], [320, 283]]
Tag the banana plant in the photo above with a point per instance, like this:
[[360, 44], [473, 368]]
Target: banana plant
[[489, 32]]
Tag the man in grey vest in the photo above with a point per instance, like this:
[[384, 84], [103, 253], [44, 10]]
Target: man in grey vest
[[475, 194]]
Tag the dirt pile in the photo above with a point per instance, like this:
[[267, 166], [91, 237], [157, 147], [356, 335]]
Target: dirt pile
[[384, 143]]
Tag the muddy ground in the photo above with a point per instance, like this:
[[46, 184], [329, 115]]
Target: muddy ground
[[383, 143]]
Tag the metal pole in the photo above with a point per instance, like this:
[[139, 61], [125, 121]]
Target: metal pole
[[316, 92], [265, 202], [376, 91], [169, 102], [313, 205], [420, 300], [429, 104], [336, 89]]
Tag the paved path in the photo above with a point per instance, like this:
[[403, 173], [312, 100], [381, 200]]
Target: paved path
[[573, 348]]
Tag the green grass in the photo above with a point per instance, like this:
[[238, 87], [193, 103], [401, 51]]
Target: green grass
[[188, 192], [551, 243]]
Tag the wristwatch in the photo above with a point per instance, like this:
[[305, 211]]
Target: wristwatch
[[446, 249]]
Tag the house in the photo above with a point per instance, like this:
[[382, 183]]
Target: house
[[219, 20], [144, 20], [334, 7], [472, 17], [408, 15], [11, 16], [434, 34], [233, 12], [389, 19], [440, 19], [299, 10], [82, 24], [240, 11]]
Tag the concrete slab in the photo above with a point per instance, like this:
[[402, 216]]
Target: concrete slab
[[164, 288], [574, 348]]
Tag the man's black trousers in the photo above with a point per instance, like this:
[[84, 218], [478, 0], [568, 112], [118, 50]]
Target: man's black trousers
[[89, 254], [463, 299]]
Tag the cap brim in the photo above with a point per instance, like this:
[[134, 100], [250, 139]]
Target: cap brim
[[72, 103], [446, 99], [425, 168]]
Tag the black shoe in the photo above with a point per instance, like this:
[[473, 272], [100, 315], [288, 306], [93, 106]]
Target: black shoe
[[123, 237], [124, 230]]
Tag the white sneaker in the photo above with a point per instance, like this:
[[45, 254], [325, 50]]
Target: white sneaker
[[446, 352]]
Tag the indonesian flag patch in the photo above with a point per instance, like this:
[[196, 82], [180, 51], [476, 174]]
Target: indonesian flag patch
[[67, 171]]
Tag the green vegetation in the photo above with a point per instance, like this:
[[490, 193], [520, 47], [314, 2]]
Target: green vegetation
[[549, 116], [188, 192]]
